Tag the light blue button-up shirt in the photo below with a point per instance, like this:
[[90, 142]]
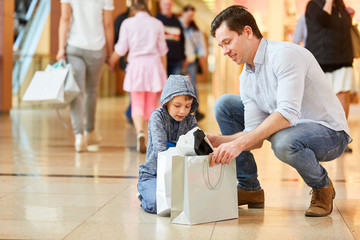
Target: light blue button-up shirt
[[287, 79]]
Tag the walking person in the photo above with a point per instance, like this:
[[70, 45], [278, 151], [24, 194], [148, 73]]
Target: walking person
[[86, 38], [142, 38]]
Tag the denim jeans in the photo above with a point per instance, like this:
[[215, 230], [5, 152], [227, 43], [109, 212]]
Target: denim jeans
[[174, 67], [147, 190], [302, 146], [192, 71]]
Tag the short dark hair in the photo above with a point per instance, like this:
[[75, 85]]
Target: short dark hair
[[236, 18], [188, 8]]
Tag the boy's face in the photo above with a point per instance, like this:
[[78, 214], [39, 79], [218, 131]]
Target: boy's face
[[179, 107]]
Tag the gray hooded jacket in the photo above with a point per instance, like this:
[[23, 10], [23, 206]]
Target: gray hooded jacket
[[162, 127]]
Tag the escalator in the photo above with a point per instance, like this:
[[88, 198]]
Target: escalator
[[31, 17]]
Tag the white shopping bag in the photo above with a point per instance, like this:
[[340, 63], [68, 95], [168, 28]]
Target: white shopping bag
[[203, 194], [163, 182], [56, 85], [46, 87]]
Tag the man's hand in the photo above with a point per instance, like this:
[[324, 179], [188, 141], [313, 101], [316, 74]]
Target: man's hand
[[225, 153], [214, 139]]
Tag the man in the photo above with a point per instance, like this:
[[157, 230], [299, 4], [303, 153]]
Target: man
[[286, 99], [175, 38]]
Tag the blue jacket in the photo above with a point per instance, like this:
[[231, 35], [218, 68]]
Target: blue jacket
[[162, 127]]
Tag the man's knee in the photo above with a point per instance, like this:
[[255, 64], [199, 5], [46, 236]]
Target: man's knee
[[222, 103], [284, 147]]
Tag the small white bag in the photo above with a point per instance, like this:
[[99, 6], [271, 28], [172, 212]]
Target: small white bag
[[163, 182], [203, 194]]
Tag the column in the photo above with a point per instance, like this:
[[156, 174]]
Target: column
[[6, 54]]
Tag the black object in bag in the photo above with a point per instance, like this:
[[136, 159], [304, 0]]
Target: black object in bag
[[201, 146]]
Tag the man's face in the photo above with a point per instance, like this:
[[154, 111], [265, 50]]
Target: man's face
[[234, 45], [166, 6]]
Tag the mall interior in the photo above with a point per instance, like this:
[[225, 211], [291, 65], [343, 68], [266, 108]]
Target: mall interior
[[50, 191]]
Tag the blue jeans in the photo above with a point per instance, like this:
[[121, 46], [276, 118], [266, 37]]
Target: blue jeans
[[174, 67], [302, 146], [192, 71], [147, 190]]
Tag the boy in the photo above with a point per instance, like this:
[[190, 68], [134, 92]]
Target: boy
[[166, 125]]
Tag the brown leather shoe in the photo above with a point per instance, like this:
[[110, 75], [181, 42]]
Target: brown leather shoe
[[254, 199], [321, 201]]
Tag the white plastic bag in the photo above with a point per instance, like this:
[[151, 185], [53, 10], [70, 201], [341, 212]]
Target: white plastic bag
[[194, 143]]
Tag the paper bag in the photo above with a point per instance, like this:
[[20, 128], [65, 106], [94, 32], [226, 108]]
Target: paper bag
[[56, 85], [46, 87], [203, 194], [163, 182]]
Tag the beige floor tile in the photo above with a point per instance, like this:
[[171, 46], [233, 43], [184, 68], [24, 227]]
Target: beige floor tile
[[125, 230], [56, 200], [73, 188], [35, 229], [356, 232], [41, 213]]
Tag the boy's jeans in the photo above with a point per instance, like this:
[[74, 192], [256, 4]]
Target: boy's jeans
[[147, 190], [301, 146]]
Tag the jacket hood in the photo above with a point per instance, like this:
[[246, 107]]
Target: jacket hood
[[178, 85]]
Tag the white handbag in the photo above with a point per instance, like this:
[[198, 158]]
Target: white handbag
[[163, 181], [203, 194]]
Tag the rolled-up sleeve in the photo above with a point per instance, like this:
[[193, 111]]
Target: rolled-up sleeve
[[291, 82]]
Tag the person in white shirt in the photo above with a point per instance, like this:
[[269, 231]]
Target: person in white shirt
[[86, 37], [286, 99]]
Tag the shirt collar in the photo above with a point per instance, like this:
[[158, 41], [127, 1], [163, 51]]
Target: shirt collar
[[259, 57]]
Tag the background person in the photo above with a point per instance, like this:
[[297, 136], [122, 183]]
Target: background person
[[328, 25], [195, 49], [142, 38], [175, 38], [86, 38]]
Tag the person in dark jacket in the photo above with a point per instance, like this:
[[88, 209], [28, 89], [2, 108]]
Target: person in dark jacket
[[175, 37], [328, 24], [122, 62], [166, 125]]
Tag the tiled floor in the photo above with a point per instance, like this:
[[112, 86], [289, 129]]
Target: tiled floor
[[47, 191]]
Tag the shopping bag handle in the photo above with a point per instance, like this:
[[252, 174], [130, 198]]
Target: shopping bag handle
[[207, 177], [60, 63]]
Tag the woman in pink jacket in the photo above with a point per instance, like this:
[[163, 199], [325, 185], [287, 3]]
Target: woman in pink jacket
[[142, 37]]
